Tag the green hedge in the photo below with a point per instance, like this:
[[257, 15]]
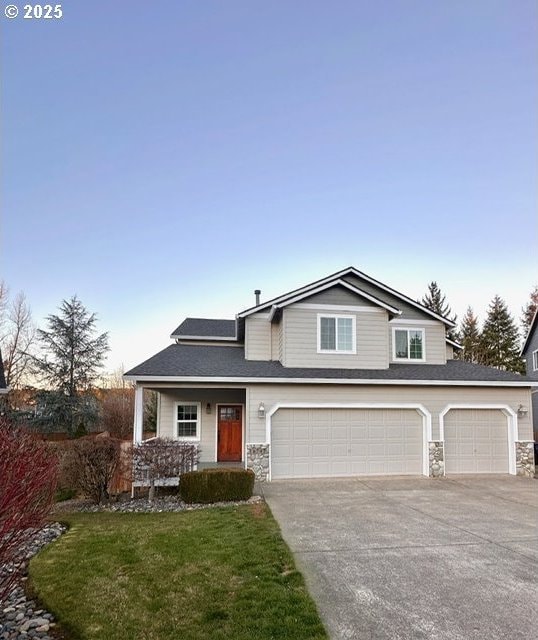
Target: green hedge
[[216, 485]]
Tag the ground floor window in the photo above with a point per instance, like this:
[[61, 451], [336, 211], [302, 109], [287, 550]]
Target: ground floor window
[[188, 421]]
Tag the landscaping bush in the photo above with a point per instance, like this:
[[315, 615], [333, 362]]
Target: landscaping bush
[[216, 485], [89, 464], [28, 472]]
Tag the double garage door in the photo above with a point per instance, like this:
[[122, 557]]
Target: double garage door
[[345, 442]]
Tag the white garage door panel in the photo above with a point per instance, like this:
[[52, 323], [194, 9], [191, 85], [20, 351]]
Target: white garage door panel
[[342, 442], [476, 441]]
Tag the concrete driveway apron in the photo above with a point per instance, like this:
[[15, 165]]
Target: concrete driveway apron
[[412, 558]]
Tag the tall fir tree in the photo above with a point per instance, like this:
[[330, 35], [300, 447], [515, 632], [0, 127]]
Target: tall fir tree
[[469, 335], [529, 310], [70, 361], [499, 340], [435, 300]]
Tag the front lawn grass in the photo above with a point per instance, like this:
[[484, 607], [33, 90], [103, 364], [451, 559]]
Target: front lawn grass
[[214, 573]]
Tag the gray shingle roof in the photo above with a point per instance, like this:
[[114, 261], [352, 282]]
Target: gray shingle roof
[[205, 327], [207, 361]]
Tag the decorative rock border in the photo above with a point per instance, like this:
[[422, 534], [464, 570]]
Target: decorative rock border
[[525, 463], [20, 617], [143, 505], [436, 455], [258, 460]]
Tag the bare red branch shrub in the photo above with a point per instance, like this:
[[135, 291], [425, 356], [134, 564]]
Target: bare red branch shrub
[[89, 465], [28, 474], [117, 411], [159, 458]]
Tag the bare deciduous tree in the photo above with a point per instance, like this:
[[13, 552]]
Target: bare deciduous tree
[[17, 337]]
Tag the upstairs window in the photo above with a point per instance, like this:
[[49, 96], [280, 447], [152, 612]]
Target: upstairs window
[[188, 421], [535, 360], [408, 344], [336, 334]]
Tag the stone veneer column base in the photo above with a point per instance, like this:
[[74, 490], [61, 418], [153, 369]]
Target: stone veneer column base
[[436, 454], [525, 463], [258, 460]]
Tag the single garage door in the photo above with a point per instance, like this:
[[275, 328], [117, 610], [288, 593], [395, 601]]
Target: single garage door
[[476, 441], [308, 443]]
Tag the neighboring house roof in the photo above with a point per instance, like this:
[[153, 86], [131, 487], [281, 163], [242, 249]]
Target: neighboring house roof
[[336, 276], [206, 329], [532, 329], [211, 362]]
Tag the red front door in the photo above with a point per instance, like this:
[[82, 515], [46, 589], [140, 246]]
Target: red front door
[[230, 433]]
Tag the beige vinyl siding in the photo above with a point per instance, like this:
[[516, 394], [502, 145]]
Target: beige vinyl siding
[[257, 337], [434, 399], [301, 340], [275, 340], [340, 296], [434, 337], [208, 426], [449, 351]]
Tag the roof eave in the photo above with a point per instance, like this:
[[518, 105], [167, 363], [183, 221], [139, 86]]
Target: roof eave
[[530, 333], [336, 276], [356, 381]]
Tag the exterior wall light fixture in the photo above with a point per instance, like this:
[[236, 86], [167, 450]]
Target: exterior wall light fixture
[[522, 411], [208, 408], [261, 410]]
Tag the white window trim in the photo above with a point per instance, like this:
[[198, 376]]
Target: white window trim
[[195, 438], [353, 333], [535, 360], [408, 329]]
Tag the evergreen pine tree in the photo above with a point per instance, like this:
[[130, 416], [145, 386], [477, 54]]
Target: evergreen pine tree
[[470, 337], [435, 300], [500, 339], [529, 310], [70, 360]]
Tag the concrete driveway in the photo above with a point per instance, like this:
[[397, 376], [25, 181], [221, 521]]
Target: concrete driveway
[[416, 558]]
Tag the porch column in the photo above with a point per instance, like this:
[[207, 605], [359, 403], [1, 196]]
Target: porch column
[[138, 424]]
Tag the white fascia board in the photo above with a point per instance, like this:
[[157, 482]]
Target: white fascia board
[[4, 391], [336, 276], [357, 381], [176, 336], [317, 287], [453, 343], [346, 285]]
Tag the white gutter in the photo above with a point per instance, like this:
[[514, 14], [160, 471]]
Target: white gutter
[[357, 381]]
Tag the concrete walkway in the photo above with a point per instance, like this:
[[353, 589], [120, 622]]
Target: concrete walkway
[[413, 558]]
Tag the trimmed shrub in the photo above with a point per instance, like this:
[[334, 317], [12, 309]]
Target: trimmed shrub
[[216, 485]]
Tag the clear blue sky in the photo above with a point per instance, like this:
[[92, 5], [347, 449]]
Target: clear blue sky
[[164, 159]]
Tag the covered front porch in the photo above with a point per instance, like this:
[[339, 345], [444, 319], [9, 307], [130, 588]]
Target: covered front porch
[[213, 418]]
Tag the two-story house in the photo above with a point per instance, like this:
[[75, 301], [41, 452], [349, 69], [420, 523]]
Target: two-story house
[[530, 353], [344, 376]]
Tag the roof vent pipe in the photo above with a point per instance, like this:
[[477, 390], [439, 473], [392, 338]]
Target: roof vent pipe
[[257, 294]]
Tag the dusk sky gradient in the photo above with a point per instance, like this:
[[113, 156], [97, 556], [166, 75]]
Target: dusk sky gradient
[[164, 159]]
